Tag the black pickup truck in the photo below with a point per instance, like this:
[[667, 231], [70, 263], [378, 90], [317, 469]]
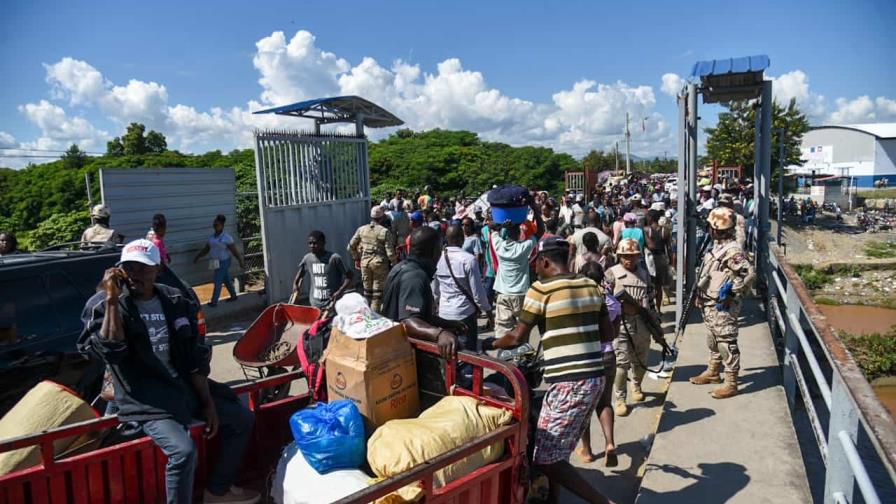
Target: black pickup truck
[[42, 295]]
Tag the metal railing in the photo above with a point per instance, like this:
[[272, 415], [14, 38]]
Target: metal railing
[[821, 375]]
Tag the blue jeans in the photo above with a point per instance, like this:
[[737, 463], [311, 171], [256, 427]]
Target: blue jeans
[[222, 275], [470, 342], [175, 442]]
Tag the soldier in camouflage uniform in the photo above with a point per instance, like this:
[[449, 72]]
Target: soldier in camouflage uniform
[[633, 343], [373, 250], [727, 273], [100, 230], [740, 227]]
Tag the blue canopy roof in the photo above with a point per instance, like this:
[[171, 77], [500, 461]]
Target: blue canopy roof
[[745, 64], [339, 109]]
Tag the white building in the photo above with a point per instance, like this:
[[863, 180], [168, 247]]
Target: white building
[[863, 152]]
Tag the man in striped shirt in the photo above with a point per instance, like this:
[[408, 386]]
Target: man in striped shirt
[[571, 315]]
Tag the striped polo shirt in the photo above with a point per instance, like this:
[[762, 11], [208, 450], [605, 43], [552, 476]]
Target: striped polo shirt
[[569, 307]]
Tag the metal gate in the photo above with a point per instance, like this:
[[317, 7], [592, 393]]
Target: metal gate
[[306, 182]]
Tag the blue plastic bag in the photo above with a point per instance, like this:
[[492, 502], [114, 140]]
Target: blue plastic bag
[[331, 436]]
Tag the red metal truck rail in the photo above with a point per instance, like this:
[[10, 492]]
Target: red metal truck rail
[[134, 471]]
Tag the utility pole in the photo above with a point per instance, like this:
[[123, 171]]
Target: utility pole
[[617, 156], [628, 147]]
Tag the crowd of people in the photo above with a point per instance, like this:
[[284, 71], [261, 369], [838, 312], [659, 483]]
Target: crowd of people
[[590, 271]]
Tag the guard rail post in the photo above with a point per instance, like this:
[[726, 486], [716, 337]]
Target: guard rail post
[[791, 345], [839, 478]]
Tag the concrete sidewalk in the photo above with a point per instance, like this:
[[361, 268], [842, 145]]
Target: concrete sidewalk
[[742, 449]]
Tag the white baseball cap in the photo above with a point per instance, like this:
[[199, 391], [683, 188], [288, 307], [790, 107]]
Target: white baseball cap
[[141, 251]]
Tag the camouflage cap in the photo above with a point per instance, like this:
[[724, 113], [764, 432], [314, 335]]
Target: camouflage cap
[[377, 212], [100, 211], [726, 199], [628, 246], [721, 218]]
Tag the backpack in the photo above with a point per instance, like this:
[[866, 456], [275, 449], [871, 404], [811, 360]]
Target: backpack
[[314, 342]]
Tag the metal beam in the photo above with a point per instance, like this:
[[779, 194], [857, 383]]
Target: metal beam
[[681, 216], [762, 180], [691, 210]]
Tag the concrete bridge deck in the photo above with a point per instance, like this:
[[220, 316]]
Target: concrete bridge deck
[[742, 449]]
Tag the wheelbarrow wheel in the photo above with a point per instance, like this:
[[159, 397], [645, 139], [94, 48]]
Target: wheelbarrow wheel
[[276, 392]]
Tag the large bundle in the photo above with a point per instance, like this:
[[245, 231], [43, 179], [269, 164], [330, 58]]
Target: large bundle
[[46, 406], [296, 482], [399, 445]]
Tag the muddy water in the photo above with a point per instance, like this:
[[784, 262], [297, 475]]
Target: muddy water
[[856, 319], [887, 395]]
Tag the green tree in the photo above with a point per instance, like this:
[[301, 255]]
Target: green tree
[[155, 142], [599, 161], [133, 140], [731, 141], [59, 228], [114, 147], [74, 157]]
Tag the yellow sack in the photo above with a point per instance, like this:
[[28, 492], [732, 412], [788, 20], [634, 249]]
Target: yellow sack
[[399, 445], [46, 406]]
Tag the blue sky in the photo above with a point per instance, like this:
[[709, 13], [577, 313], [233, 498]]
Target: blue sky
[[561, 74]]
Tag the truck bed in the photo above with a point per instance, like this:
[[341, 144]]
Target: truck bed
[[134, 471]]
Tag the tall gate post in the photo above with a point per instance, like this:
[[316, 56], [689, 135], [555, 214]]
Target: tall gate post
[[762, 179], [692, 185], [682, 215]]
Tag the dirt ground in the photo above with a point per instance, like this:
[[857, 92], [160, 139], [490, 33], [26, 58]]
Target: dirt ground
[[828, 242]]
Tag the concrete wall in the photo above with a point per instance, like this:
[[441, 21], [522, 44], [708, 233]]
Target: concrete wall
[[190, 198]]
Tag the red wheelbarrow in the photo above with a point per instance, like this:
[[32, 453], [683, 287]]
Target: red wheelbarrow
[[268, 346]]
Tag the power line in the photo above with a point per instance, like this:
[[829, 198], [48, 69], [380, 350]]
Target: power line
[[43, 150], [29, 156]]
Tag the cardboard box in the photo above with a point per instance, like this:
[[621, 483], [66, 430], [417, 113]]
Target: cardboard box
[[378, 373]]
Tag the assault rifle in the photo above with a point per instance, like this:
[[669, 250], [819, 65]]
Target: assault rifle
[[654, 326], [672, 354]]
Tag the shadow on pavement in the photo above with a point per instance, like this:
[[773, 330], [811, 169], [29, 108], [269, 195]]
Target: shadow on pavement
[[716, 482], [758, 378], [618, 485], [673, 417]]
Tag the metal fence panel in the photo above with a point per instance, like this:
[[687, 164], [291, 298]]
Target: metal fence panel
[[190, 198], [307, 182]]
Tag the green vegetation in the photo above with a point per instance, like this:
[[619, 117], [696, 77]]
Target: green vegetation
[[455, 161], [730, 142], [47, 203], [811, 277], [880, 250], [874, 353], [823, 300], [879, 194]]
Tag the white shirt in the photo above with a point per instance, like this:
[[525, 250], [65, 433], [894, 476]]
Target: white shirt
[[453, 304]]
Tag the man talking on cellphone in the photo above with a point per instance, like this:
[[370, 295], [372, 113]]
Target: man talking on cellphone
[[143, 332]]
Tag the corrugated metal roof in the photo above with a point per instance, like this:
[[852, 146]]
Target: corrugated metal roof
[[878, 130], [745, 64], [338, 109]]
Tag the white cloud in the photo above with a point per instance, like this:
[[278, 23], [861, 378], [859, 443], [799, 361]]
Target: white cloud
[[82, 84], [7, 141], [672, 84], [297, 70], [864, 110], [58, 130], [795, 85], [586, 115]]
